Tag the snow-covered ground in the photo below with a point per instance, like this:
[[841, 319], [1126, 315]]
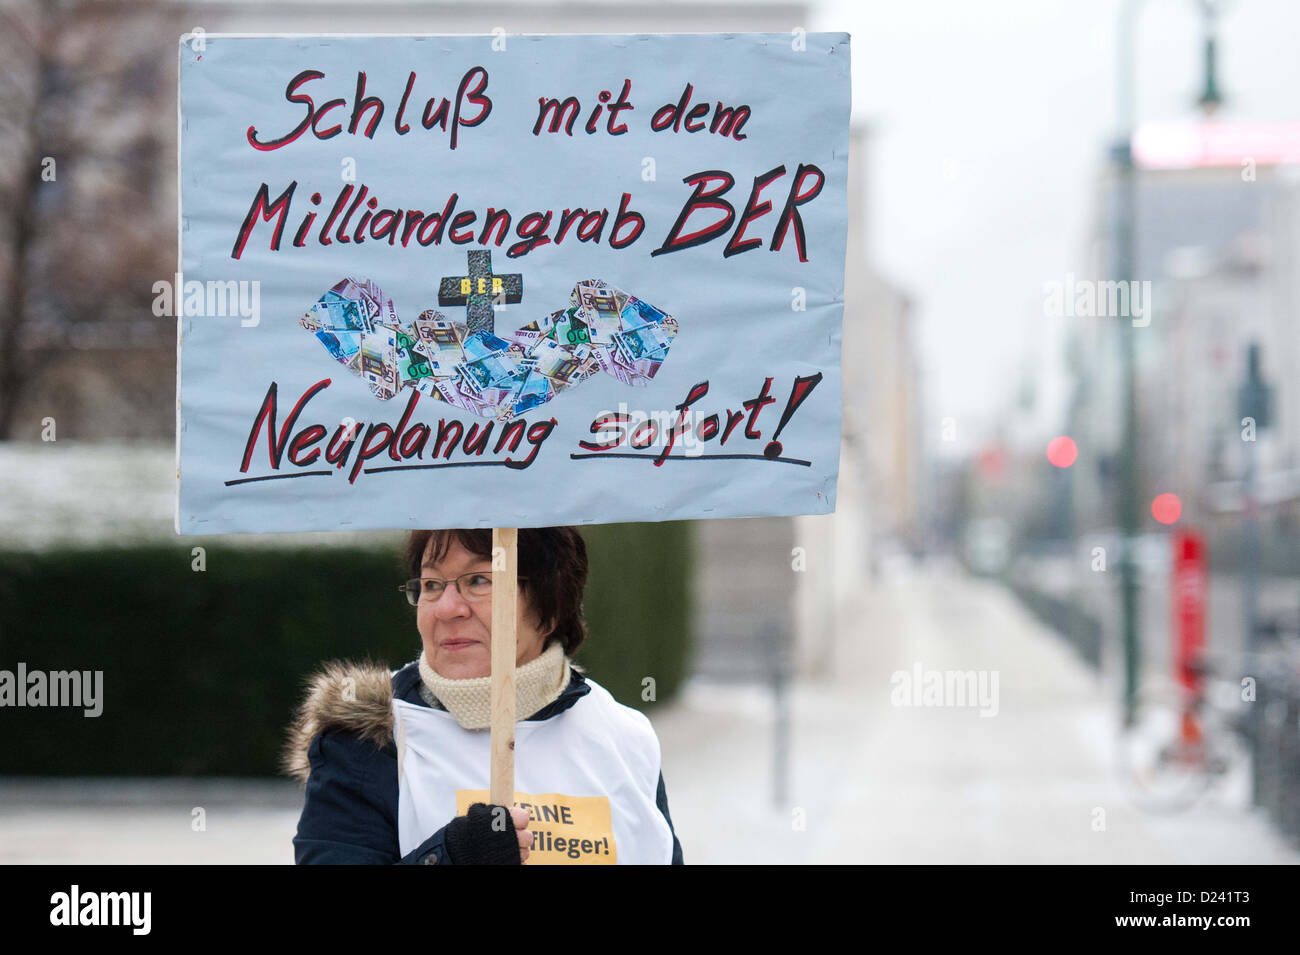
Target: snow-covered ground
[[70, 494], [164, 821]]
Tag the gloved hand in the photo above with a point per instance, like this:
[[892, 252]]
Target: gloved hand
[[472, 839]]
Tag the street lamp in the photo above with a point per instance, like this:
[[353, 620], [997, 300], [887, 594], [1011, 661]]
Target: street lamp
[[1125, 267], [1125, 230], [1210, 98]]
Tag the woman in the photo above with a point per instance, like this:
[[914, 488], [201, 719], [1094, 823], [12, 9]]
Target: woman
[[396, 764]]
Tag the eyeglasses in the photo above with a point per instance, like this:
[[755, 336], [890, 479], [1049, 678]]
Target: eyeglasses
[[474, 585]]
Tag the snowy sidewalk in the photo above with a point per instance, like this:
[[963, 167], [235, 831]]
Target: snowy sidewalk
[[874, 782], [128, 822]]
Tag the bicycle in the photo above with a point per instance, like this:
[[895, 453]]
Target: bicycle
[[1187, 741]]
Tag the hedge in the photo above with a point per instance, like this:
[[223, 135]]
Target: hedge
[[202, 670]]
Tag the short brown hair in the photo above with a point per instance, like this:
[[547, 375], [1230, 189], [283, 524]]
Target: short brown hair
[[554, 559]]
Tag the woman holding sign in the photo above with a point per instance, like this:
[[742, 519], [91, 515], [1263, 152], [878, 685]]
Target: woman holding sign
[[396, 764]]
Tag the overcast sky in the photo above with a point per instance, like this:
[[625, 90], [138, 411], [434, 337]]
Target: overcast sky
[[990, 121]]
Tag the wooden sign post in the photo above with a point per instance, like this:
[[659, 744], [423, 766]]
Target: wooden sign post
[[505, 593]]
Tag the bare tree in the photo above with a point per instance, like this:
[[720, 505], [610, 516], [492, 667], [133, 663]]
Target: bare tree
[[87, 115]]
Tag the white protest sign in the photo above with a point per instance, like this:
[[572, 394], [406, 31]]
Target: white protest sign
[[509, 281]]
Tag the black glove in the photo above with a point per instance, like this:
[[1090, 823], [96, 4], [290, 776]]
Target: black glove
[[472, 840]]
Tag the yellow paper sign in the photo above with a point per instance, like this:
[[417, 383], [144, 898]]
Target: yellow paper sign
[[567, 830]]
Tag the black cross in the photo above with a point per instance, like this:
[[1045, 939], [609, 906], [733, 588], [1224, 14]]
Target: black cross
[[478, 292]]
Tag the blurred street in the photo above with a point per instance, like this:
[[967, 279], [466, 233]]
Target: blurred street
[[886, 784], [869, 781]]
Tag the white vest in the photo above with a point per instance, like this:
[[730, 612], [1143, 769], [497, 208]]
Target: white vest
[[588, 777]]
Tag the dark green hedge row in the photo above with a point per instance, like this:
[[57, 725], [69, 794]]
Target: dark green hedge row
[[202, 670]]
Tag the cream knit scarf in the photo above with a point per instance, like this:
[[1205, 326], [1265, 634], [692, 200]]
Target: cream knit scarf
[[537, 683]]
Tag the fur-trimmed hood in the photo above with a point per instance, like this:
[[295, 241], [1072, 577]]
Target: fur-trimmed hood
[[341, 695], [358, 698]]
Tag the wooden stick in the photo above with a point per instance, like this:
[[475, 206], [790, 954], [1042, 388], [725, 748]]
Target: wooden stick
[[505, 592]]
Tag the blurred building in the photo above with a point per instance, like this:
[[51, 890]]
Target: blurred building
[[1220, 245], [884, 484], [882, 406]]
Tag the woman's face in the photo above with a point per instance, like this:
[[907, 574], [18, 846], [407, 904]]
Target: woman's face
[[457, 633]]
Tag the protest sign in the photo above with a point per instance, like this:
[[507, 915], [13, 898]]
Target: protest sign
[[508, 281]]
